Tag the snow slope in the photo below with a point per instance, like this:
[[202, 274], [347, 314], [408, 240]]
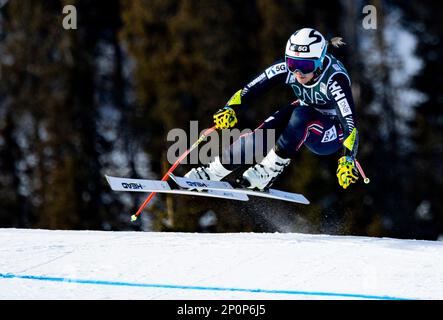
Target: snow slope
[[41, 264]]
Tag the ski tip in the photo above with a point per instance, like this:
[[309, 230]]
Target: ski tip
[[133, 218], [107, 178]]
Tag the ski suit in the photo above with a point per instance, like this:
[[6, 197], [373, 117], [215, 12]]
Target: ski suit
[[322, 117]]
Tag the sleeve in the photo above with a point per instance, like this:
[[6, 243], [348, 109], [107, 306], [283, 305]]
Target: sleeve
[[271, 76], [339, 88]]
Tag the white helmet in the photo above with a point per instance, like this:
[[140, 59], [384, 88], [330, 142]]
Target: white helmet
[[305, 51]]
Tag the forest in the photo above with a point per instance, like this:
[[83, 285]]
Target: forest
[[76, 104]]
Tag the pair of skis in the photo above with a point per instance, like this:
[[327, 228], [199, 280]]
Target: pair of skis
[[215, 189], [195, 187]]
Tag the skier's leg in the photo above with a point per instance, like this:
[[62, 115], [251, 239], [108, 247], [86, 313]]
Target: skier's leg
[[239, 153], [320, 133], [306, 126], [252, 147]]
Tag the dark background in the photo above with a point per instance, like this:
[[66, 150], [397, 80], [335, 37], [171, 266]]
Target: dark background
[[78, 104]]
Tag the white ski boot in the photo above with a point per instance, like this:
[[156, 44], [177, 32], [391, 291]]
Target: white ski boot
[[213, 171], [263, 174]]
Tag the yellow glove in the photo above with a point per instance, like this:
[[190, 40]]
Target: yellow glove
[[225, 118], [346, 172]]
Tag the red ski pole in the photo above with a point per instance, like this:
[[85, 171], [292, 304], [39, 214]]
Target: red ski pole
[[362, 173], [205, 134]]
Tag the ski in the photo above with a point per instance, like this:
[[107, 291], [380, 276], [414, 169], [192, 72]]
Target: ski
[[219, 185], [204, 188], [144, 185]]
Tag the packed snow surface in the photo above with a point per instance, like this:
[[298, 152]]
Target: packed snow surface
[[42, 264]]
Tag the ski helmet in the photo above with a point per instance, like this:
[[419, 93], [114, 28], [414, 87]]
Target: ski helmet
[[305, 51]]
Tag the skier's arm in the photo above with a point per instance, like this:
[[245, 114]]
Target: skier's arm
[[274, 74], [340, 90]]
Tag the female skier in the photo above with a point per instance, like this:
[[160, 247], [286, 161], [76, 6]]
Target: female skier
[[322, 117]]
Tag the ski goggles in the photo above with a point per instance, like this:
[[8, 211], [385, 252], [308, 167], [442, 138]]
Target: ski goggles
[[304, 66]]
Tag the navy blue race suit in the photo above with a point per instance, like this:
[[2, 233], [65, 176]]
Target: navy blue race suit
[[322, 117]]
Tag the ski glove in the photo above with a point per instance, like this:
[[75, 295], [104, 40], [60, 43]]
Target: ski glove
[[347, 172], [225, 118]]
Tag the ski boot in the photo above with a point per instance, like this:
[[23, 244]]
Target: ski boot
[[213, 171], [262, 175]]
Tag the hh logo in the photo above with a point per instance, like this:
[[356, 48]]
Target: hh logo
[[336, 91]]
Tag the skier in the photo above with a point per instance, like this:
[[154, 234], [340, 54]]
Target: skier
[[322, 118]]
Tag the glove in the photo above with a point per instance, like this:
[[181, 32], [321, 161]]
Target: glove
[[346, 172], [225, 118]]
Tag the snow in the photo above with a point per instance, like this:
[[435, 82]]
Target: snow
[[42, 264]]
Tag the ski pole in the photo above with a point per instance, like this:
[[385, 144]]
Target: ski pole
[[362, 173], [205, 134]]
